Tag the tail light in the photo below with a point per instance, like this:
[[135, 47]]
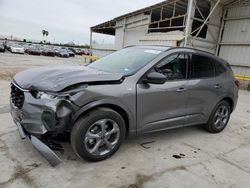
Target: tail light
[[237, 83]]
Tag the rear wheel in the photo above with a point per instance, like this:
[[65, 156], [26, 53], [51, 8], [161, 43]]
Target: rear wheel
[[219, 118], [98, 134]]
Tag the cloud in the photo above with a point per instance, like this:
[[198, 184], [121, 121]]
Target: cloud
[[66, 20]]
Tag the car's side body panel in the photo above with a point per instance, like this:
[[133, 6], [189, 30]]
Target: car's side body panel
[[205, 93], [202, 98], [160, 106], [120, 95], [154, 110]]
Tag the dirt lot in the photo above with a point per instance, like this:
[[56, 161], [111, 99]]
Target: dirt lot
[[201, 159]]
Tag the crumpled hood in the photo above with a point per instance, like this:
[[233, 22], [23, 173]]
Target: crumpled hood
[[55, 79]]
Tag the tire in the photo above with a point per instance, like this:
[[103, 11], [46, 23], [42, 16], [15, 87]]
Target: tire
[[98, 134], [219, 117]]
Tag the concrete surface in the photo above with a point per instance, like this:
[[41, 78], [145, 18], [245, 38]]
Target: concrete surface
[[10, 63], [203, 159]]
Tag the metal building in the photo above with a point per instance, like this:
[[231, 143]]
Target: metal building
[[221, 27]]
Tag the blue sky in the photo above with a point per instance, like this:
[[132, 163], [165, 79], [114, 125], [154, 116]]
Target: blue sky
[[66, 20]]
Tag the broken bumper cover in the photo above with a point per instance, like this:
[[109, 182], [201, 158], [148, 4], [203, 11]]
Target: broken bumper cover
[[38, 117], [41, 146]]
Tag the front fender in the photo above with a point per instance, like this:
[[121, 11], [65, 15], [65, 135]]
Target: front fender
[[104, 102]]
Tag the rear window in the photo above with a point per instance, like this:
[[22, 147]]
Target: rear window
[[201, 67]]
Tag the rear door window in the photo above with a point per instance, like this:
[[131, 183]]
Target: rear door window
[[201, 67], [219, 68]]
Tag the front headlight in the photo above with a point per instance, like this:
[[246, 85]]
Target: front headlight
[[43, 95], [61, 95]]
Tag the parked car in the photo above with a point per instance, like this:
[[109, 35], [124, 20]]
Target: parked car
[[33, 50], [61, 53], [25, 47], [2, 48], [16, 48], [48, 52], [71, 54], [73, 50], [7, 45], [136, 90], [80, 52], [88, 52]]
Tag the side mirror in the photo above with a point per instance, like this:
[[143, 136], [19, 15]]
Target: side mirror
[[155, 78]]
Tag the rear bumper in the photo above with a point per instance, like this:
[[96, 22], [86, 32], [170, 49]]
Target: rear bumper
[[41, 146]]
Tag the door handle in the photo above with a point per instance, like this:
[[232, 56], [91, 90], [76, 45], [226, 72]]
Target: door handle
[[217, 86], [181, 89]]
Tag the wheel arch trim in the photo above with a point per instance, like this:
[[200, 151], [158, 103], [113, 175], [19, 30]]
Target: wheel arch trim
[[107, 103], [230, 101]]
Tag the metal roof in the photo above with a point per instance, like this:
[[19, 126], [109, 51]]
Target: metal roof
[[109, 26]]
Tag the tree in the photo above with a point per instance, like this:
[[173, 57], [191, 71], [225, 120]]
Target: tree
[[46, 34], [43, 32]]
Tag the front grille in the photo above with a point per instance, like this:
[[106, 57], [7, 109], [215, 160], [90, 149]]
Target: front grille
[[17, 96]]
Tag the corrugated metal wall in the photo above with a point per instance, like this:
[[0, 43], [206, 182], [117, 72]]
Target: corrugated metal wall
[[130, 30], [235, 42], [101, 52]]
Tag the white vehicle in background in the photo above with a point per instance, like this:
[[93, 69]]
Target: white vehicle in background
[[15, 48]]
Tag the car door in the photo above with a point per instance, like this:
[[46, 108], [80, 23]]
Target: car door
[[163, 106], [203, 89]]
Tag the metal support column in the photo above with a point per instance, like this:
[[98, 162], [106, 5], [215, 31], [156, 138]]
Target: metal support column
[[190, 5], [124, 32], [90, 40], [221, 31]]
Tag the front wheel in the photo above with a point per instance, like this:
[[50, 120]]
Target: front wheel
[[98, 134], [219, 117]]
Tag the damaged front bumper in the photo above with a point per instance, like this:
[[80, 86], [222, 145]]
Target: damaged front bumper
[[40, 120], [41, 146], [39, 116]]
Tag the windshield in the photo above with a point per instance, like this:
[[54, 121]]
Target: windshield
[[126, 61]]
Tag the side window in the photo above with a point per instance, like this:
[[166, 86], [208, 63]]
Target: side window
[[219, 68], [201, 67], [174, 67]]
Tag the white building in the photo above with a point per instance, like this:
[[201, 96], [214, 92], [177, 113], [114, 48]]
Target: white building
[[221, 27]]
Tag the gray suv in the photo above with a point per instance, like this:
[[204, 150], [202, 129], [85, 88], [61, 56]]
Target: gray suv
[[137, 90]]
